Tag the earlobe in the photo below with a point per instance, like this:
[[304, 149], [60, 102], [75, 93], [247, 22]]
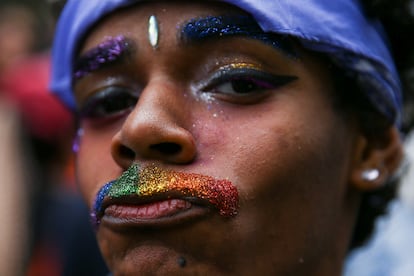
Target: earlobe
[[375, 161]]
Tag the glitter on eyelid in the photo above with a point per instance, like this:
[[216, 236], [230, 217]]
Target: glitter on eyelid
[[151, 181], [241, 65]]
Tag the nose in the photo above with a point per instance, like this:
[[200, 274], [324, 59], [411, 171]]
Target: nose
[[155, 131]]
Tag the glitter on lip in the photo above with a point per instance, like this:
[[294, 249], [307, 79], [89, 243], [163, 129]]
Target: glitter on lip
[[153, 181]]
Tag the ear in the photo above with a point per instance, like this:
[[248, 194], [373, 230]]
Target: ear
[[375, 160]]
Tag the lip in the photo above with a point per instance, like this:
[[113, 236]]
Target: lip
[[151, 196], [154, 212]]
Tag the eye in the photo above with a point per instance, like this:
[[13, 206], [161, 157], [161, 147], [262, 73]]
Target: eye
[[242, 85], [245, 82], [108, 102]]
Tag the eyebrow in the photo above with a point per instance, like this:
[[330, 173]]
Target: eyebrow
[[109, 51], [215, 27], [113, 49]]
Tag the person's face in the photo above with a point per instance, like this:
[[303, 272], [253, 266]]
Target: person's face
[[227, 106]]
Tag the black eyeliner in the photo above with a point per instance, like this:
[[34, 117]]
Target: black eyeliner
[[105, 96], [257, 76]]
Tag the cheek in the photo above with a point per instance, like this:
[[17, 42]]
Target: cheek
[[94, 163], [290, 171], [209, 137], [286, 170], [286, 154]]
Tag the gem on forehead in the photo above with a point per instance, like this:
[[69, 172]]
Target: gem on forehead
[[153, 31]]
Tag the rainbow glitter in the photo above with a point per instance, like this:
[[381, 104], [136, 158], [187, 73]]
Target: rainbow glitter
[[107, 52], [152, 181]]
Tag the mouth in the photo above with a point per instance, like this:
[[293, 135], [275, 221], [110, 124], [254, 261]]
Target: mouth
[[153, 197], [163, 213]]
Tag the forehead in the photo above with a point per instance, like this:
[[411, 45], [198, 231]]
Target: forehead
[[171, 16], [171, 25]]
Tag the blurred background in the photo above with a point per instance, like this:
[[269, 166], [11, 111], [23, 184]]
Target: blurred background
[[45, 224]]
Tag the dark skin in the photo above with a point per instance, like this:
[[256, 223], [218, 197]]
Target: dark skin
[[295, 161]]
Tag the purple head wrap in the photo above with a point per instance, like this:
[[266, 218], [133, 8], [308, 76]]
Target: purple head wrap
[[337, 28]]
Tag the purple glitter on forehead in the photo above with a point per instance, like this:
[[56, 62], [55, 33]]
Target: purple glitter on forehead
[[107, 52]]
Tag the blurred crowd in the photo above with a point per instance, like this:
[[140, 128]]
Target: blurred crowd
[[45, 229]]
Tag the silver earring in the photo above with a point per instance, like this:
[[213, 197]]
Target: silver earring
[[370, 175], [153, 31]]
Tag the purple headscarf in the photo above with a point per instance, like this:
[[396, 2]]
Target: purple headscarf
[[337, 28]]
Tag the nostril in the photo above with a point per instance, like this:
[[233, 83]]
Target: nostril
[[126, 153], [167, 148]]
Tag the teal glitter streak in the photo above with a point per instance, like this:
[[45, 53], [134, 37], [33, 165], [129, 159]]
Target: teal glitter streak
[[127, 183]]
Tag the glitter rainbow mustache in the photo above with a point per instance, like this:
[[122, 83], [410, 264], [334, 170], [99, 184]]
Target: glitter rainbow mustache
[[153, 181]]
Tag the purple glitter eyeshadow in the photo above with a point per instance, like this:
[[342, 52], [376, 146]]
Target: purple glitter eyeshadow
[[234, 25], [107, 52]]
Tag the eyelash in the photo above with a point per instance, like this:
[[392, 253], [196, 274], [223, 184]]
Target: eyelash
[[247, 81], [116, 100], [108, 103]]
